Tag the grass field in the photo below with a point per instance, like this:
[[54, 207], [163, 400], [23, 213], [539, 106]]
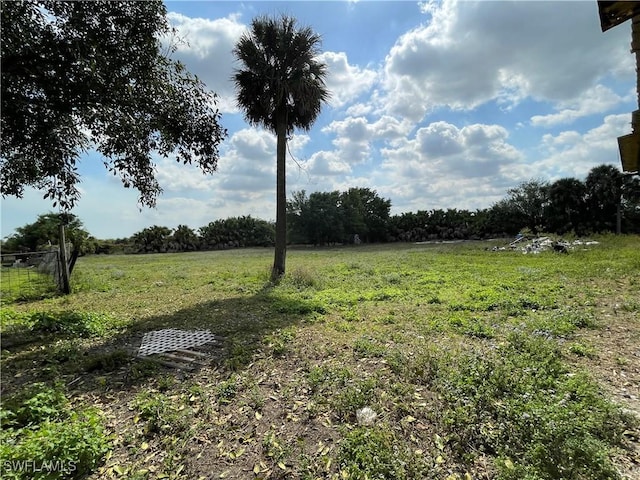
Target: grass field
[[473, 364]]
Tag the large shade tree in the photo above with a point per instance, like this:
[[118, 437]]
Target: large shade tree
[[280, 86], [96, 75]]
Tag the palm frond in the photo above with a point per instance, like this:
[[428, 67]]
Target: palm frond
[[280, 72]]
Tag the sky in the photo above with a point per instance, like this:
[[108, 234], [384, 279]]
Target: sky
[[435, 104]]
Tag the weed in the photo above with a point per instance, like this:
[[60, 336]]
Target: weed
[[279, 341], [84, 324], [142, 369], [43, 437], [227, 389], [354, 396], [328, 376], [240, 354], [301, 278], [161, 413], [519, 402], [273, 447], [375, 453], [582, 350], [368, 348]]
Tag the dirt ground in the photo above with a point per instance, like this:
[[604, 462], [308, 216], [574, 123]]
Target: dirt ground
[[616, 365]]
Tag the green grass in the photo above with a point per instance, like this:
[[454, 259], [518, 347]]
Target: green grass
[[478, 364]]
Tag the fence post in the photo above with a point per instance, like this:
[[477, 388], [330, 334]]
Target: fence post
[[64, 266]]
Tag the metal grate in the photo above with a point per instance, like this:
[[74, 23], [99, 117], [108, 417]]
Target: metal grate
[[171, 339]]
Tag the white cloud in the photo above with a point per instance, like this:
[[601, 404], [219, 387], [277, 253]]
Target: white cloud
[[572, 154], [595, 100], [472, 52], [327, 163], [173, 176], [445, 166], [345, 82], [208, 52]]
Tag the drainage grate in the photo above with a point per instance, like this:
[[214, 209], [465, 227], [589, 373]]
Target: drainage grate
[[156, 346], [170, 340]]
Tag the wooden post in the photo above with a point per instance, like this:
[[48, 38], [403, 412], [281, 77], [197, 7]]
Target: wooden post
[[62, 261]]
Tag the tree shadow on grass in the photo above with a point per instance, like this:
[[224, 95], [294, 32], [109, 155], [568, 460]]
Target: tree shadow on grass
[[109, 363]]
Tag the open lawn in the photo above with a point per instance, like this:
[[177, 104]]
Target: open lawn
[[473, 364]]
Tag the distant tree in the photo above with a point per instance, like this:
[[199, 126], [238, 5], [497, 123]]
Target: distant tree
[[234, 232], [365, 213], [45, 231], [153, 239], [323, 218], [567, 206], [631, 204], [609, 192], [280, 86], [296, 207], [185, 239], [504, 218], [79, 75], [529, 200]]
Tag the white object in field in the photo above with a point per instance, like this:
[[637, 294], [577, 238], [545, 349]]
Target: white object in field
[[171, 339], [366, 416]]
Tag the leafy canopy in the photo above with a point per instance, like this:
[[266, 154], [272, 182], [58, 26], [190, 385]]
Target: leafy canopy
[[45, 230], [80, 75]]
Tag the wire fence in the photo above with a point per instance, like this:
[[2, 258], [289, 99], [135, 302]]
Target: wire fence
[[29, 275]]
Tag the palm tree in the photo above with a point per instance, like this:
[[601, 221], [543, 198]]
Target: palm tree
[[280, 87]]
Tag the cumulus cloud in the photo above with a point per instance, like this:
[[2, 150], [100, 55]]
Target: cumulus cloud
[[249, 163], [469, 53], [444, 166], [572, 154], [594, 101], [206, 46], [345, 82]]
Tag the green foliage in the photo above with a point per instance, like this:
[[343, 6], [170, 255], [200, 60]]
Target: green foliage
[[287, 302], [84, 324], [357, 394], [43, 437], [237, 232], [302, 278], [227, 389], [161, 413], [153, 239], [25, 284], [99, 68], [335, 217], [519, 402], [271, 47], [279, 341], [374, 453], [45, 231], [368, 348], [327, 376]]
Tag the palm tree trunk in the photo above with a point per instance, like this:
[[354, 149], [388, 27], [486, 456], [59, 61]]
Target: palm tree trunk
[[281, 199]]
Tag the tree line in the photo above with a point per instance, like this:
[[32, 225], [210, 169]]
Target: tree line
[[606, 201]]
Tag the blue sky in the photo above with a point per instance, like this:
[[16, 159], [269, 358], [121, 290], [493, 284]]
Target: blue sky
[[442, 104]]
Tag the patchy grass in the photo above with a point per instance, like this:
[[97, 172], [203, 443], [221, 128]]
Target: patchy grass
[[477, 364]]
